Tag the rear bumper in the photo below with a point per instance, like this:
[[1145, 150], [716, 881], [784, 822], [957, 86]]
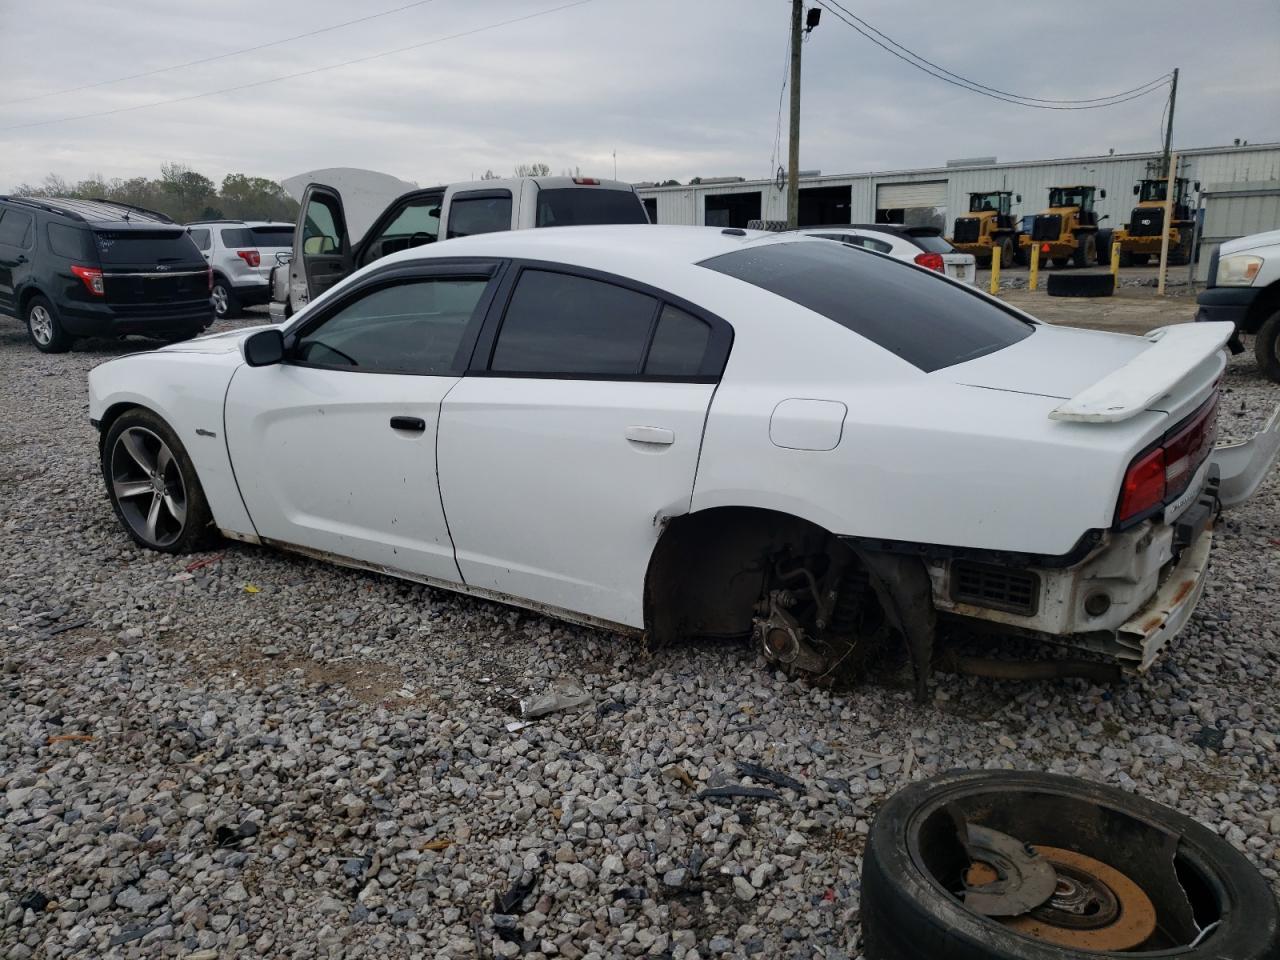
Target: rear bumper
[[253, 294], [106, 320], [1226, 303], [1243, 464]]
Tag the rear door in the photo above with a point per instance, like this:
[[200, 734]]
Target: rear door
[[575, 433], [17, 238], [321, 245]]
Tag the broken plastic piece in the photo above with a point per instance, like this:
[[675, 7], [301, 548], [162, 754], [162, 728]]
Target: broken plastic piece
[[737, 790], [757, 772], [564, 695]]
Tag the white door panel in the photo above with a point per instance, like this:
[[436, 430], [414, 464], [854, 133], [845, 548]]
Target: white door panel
[[320, 465], [555, 489]]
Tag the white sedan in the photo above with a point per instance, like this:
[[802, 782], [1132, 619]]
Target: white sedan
[[924, 246], [684, 431]]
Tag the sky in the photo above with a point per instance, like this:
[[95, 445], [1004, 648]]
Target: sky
[[677, 89]]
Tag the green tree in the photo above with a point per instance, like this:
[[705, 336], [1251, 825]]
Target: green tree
[[256, 198], [191, 195]]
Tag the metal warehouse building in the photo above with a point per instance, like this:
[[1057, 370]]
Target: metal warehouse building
[[936, 196]]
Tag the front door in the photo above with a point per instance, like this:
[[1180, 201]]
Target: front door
[[562, 456], [322, 248], [335, 448]]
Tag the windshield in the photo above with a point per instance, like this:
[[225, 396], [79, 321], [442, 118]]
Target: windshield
[[586, 206], [145, 247], [921, 317], [999, 202], [1071, 197], [1155, 189]]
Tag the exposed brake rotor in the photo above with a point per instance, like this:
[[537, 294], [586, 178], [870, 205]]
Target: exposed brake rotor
[[1092, 906]]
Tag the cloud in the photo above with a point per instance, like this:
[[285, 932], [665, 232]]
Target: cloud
[[679, 89]]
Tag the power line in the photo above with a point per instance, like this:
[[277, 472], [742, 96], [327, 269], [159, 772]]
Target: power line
[[940, 73], [777, 130], [220, 56], [301, 73]]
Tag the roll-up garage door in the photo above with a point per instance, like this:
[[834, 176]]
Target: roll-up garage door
[[901, 195]]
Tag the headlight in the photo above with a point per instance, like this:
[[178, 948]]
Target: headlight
[[1238, 270]]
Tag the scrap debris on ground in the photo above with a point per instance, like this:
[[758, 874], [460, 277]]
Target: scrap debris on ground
[[335, 765]]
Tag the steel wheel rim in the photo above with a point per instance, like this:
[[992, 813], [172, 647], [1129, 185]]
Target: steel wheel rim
[[41, 325], [147, 486], [219, 299]]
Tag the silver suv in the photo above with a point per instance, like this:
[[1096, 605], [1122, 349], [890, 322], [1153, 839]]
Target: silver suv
[[241, 253]]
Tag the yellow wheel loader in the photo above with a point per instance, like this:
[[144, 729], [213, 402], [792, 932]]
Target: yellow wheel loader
[[989, 227], [1139, 239], [1067, 232]]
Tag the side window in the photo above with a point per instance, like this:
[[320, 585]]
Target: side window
[[67, 241], [413, 327], [415, 225], [320, 233], [678, 345], [480, 212], [201, 238], [870, 243], [233, 237], [562, 324], [15, 229]]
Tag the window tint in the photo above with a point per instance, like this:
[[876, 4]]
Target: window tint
[[481, 213], [557, 323], [146, 247], [15, 228], [585, 206], [678, 345], [932, 243], [202, 238], [320, 234], [413, 327], [281, 236], [67, 241], [415, 225], [920, 317], [867, 243]]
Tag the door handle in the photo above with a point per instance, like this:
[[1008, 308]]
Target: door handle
[[655, 435], [411, 424], [21, 259]]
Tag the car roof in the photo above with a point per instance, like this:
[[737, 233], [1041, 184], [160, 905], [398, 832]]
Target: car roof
[[241, 223], [95, 211], [897, 229]]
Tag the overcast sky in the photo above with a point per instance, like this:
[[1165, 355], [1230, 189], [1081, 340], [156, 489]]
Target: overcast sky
[[679, 89]]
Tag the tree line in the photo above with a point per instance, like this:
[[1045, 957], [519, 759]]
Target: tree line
[[180, 193]]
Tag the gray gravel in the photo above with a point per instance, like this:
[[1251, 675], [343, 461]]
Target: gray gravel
[[322, 768]]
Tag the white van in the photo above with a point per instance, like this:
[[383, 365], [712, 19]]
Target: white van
[[354, 203]]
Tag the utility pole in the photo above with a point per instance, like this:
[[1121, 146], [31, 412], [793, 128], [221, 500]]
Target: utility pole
[[793, 146], [1168, 130]]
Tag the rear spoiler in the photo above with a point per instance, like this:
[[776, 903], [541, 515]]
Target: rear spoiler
[[1128, 390]]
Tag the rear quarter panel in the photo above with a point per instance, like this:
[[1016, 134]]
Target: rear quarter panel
[[187, 390]]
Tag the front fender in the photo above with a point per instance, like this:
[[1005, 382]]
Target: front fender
[[187, 390]]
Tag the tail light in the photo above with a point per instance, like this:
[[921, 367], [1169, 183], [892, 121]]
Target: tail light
[[91, 277], [251, 257], [586, 181], [930, 261], [1163, 474]]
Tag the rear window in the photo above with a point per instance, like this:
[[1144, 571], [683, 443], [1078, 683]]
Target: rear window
[[272, 236], [587, 206], [926, 320], [931, 242], [67, 241], [141, 247]]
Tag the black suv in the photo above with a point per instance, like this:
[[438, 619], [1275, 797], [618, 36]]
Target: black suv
[[94, 268]]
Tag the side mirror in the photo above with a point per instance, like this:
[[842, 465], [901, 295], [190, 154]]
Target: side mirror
[[264, 348], [1135, 189], [1197, 186], [1017, 198], [1105, 216], [1102, 193]]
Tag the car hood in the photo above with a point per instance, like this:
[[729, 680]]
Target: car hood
[[1250, 242], [226, 342], [1056, 362]]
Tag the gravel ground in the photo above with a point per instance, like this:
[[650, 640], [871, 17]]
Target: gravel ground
[[268, 756]]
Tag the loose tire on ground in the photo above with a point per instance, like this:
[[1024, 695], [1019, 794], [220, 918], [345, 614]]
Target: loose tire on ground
[[226, 305], [44, 328], [1080, 285], [1266, 347], [909, 913], [152, 485]]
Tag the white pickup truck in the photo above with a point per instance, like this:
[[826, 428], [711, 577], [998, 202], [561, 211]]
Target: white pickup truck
[[1244, 288], [353, 217]]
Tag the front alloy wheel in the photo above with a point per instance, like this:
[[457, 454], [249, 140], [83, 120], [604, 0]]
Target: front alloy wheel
[[152, 484]]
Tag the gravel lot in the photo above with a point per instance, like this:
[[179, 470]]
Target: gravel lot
[[268, 756]]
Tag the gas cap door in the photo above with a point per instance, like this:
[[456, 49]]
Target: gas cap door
[[803, 424]]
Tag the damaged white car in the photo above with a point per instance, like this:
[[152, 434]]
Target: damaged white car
[[694, 432]]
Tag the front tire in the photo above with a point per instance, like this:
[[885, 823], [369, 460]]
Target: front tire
[[152, 485], [1086, 251], [226, 305], [1266, 347], [44, 328], [1006, 252]]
